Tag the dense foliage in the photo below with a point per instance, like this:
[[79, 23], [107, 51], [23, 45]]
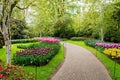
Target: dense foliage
[[18, 30], [63, 28]]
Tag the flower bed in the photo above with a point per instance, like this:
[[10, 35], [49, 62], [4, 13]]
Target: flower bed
[[108, 45], [49, 40], [112, 52], [35, 54], [32, 51], [111, 49], [12, 72], [39, 56]]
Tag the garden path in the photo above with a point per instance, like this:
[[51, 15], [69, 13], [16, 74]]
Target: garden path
[[80, 64]]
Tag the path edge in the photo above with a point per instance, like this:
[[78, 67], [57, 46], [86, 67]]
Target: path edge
[[59, 65]]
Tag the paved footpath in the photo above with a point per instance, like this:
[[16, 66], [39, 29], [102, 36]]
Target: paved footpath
[[80, 64]]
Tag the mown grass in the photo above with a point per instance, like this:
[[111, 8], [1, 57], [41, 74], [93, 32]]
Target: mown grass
[[43, 72], [109, 64], [13, 51]]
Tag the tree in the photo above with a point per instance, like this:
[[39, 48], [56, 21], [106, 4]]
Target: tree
[[7, 7], [18, 29]]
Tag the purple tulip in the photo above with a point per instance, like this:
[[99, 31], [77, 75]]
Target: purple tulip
[[32, 51], [49, 40], [108, 45]]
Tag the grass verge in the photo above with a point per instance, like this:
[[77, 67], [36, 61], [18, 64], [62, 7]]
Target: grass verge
[[109, 64]]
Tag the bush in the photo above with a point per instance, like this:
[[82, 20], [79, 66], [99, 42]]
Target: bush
[[77, 39], [36, 54], [12, 72], [23, 41], [112, 34]]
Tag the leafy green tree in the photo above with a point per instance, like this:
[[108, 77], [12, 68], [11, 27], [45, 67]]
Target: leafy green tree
[[6, 9], [63, 28], [18, 30]]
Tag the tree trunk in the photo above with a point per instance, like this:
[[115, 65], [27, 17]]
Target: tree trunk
[[101, 34], [8, 50], [7, 41]]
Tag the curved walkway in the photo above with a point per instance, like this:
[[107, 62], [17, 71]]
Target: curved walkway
[[80, 64]]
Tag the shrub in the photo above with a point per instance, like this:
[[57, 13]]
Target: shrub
[[63, 39], [23, 41], [92, 43], [77, 39], [12, 72]]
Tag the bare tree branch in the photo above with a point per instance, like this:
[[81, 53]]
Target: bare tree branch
[[22, 8], [26, 6]]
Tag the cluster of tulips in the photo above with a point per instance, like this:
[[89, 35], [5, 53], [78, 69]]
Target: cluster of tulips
[[112, 49], [112, 52], [107, 45], [49, 40], [34, 51]]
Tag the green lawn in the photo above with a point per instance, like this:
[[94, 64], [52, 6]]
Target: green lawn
[[109, 64], [43, 72]]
